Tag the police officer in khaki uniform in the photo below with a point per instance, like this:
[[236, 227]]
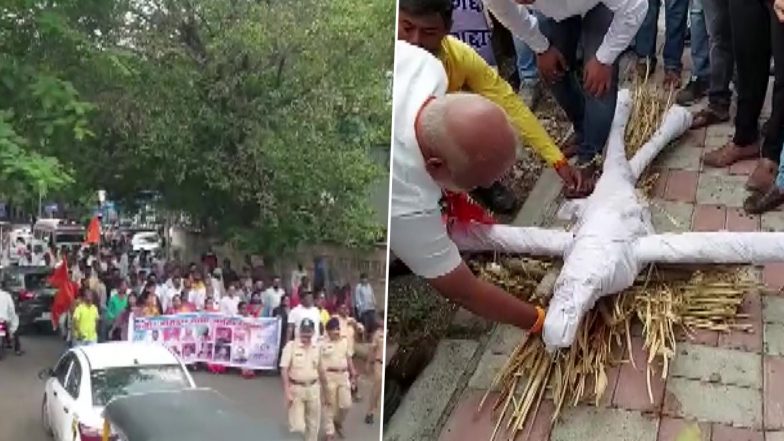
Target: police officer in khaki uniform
[[338, 372], [301, 372], [376, 366], [349, 329]]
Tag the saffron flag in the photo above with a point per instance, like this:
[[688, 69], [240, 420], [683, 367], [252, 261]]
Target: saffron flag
[[93, 232], [66, 291]]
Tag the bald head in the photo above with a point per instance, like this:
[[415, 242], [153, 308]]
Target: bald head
[[468, 141]]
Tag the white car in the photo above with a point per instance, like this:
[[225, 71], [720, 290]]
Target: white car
[[86, 378], [146, 241]]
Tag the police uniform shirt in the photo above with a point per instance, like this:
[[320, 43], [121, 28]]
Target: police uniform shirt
[[301, 361], [334, 354]]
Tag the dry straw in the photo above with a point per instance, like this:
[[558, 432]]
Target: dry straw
[[663, 304]]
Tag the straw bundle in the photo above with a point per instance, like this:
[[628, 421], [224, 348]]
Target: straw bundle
[[650, 104], [665, 303]]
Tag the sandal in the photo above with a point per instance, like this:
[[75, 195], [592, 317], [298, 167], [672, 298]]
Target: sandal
[[708, 117], [759, 203]]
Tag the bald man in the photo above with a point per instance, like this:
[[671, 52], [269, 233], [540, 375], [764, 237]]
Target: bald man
[[453, 142]]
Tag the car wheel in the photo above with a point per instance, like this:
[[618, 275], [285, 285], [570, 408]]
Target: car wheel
[[45, 418]]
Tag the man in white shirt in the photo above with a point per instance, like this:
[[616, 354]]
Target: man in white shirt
[[304, 310], [11, 319], [229, 304], [604, 29], [455, 142], [271, 297], [167, 291]]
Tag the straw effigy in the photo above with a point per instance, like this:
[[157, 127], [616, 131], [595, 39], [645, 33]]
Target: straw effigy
[[665, 303]]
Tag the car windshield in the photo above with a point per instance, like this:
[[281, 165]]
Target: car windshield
[[69, 238], [36, 281], [115, 382]]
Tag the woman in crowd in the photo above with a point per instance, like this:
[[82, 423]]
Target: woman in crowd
[[119, 330], [178, 307], [152, 305], [255, 307]]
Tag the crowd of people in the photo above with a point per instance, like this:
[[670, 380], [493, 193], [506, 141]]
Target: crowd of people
[[115, 285], [446, 80]]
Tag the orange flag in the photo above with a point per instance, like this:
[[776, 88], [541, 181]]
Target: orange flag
[[93, 232], [66, 291]]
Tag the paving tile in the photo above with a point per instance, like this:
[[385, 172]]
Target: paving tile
[[743, 168], [727, 433], [718, 135], [660, 184], [713, 402], [703, 337], [750, 340], [773, 276], [773, 393], [773, 221], [681, 158], [489, 365], [717, 365], [739, 220], [586, 423], [671, 428], [681, 186], [774, 436], [773, 339], [632, 390], [773, 309], [709, 218], [466, 423], [671, 217], [721, 190], [693, 138]]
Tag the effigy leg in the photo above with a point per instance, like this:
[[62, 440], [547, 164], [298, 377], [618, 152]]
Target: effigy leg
[[711, 247], [675, 123], [615, 155], [510, 239]]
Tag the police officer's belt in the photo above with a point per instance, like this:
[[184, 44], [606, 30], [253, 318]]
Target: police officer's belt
[[303, 383]]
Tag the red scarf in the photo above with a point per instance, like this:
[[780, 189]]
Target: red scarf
[[461, 209]]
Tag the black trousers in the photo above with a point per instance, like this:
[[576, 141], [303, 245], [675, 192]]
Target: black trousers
[[750, 22], [774, 132]]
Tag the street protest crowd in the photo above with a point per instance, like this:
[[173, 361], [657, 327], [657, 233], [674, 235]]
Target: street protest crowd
[[103, 286]]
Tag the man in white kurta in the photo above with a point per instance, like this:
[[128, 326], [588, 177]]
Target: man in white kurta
[[455, 142]]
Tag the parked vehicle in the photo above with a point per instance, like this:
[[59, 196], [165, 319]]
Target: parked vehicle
[[176, 416], [59, 232], [32, 294], [87, 378], [146, 241]]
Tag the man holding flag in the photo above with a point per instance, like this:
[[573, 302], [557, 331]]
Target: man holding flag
[[66, 291]]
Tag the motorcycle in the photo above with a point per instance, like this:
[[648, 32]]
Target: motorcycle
[[4, 338]]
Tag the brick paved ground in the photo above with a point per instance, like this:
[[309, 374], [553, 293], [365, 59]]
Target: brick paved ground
[[732, 385]]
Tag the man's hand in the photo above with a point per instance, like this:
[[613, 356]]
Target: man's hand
[[552, 64], [597, 77], [568, 174], [778, 8], [289, 398]]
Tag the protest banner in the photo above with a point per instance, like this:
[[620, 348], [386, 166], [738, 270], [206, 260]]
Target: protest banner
[[233, 341]]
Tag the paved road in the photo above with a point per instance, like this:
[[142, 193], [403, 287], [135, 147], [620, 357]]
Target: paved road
[[21, 392]]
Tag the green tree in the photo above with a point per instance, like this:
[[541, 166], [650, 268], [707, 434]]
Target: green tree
[[254, 117]]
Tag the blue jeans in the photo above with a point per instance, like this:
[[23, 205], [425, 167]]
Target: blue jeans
[[675, 15], [526, 58], [591, 116], [700, 44], [526, 61], [780, 176]]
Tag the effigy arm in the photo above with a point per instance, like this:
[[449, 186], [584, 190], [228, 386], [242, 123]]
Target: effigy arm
[[675, 123], [721, 247], [510, 239]]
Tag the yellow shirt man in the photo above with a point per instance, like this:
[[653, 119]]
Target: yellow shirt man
[[85, 318], [468, 72], [348, 330]]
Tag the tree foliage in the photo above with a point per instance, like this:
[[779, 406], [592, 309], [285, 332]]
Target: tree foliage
[[254, 117]]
